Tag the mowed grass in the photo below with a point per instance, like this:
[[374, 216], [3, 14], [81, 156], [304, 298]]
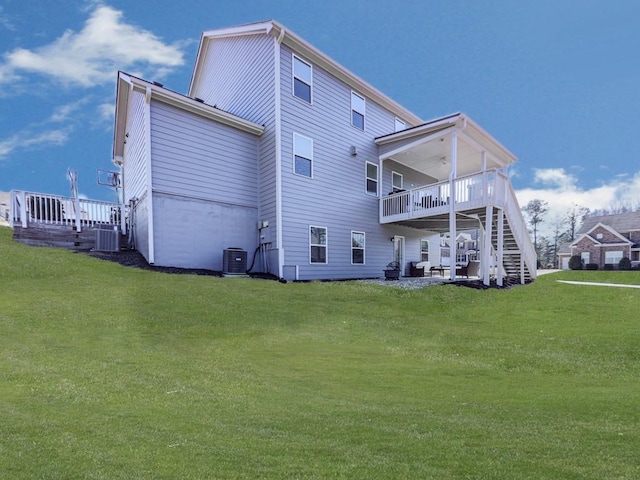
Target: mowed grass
[[108, 372]]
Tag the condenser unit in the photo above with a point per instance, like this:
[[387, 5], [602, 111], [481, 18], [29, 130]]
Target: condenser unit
[[107, 238]]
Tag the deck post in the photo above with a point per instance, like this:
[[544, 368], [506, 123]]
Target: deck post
[[452, 205], [76, 203], [486, 250], [500, 246]]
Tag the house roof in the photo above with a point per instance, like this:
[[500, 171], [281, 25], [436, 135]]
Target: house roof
[[305, 49], [621, 239], [620, 222], [128, 83]]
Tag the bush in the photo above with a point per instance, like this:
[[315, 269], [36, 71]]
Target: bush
[[591, 266], [624, 263], [575, 262], [608, 266]]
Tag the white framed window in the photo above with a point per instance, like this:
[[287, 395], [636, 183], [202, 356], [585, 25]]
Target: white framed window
[[302, 79], [371, 173], [317, 244], [585, 257], [399, 125], [358, 107], [424, 250], [357, 248], [396, 181], [613, 257], [599, 236], [302, 155]]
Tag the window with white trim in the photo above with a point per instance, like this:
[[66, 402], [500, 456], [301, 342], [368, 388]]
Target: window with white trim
[[358, 107], [371, 172], [399, 125], [585, 257], [302, 79], [317, 244], [396, 181], [613, 257], [424, 250], [357, 248], [302, 155]]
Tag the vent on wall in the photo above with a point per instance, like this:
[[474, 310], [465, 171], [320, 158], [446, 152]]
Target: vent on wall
[[107, 238]]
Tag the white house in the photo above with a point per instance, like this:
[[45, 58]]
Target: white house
[[279, 150]]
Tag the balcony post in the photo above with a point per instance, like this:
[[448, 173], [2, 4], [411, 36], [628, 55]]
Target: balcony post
[[452, 205]]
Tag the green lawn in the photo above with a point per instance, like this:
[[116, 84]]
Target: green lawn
[[108, 372]]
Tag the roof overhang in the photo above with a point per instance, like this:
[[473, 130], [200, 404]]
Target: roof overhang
[[427, 147], [306, 50], [127, 84]]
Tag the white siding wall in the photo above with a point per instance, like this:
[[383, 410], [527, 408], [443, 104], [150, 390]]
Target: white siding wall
[[135, 166]]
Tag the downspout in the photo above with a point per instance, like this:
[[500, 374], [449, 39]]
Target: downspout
[[278, 146], [147, 153]]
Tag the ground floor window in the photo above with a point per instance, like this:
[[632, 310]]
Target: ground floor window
[[613, 257], [424, 250], [585, 257], [357, 248], [317, 244]]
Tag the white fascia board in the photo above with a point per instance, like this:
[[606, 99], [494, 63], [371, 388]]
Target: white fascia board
[[610, 230], [419, 141], [120, 118], [581, 237], [202, 109], [435, 125]]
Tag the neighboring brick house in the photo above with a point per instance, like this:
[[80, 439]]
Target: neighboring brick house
[[605, 240]]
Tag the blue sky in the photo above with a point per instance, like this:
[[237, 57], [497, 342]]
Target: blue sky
[[556, 82]]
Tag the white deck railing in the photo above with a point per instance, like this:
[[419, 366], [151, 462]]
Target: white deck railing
[[31, 208], [470, 191]]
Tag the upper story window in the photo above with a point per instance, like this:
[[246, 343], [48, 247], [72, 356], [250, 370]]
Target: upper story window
[[400, 125], [358, 105], [372, 178], [317, 244], [302, 155], [302, 79], [357, 248], [396, 181]]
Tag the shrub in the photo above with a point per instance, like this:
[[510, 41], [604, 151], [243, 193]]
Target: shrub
[[591, 266], [624, 263], [575, 262], [608, 266]]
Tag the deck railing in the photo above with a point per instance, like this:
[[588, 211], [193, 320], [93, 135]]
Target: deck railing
[[469, 191], [29, 208]]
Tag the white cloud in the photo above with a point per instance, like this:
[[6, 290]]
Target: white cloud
[[561, 191], [94, 54], [63, 112], [27, 140], [5, 21]]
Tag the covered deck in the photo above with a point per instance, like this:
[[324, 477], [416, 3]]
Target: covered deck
[[463, 186]]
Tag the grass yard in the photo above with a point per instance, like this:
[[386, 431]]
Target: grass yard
[[109, 372]]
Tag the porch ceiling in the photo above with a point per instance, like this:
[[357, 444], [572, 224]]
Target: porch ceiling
[[427, 148]]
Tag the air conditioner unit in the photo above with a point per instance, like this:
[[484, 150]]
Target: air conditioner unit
[[107, 238], [234, 261]]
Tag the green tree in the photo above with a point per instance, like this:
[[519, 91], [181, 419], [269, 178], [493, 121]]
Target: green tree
[[535, 211]]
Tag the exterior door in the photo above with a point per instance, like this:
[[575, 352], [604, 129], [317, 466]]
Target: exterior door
[[398, 252]]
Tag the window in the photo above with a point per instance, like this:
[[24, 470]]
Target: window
[[585, 257], [372, 178], [303, 155], [599, 236], [357, 248], [400, 125], [302, 75], [317, 244], [357, 110], [396, 181], [613, 257], [424, 250]]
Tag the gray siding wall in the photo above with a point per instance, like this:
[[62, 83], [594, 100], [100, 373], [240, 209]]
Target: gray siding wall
[[336, 196], [411, 178], [240, 79], [140, 215], [205, 182]]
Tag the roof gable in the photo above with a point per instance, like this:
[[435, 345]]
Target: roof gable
[[620, 222]]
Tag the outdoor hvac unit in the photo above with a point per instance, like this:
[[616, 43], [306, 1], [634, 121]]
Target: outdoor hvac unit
[[107, 238], [234, 261]]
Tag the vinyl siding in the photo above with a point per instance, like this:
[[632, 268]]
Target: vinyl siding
[[200, 158], [239, 73], [135, 178], [336, 196]]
